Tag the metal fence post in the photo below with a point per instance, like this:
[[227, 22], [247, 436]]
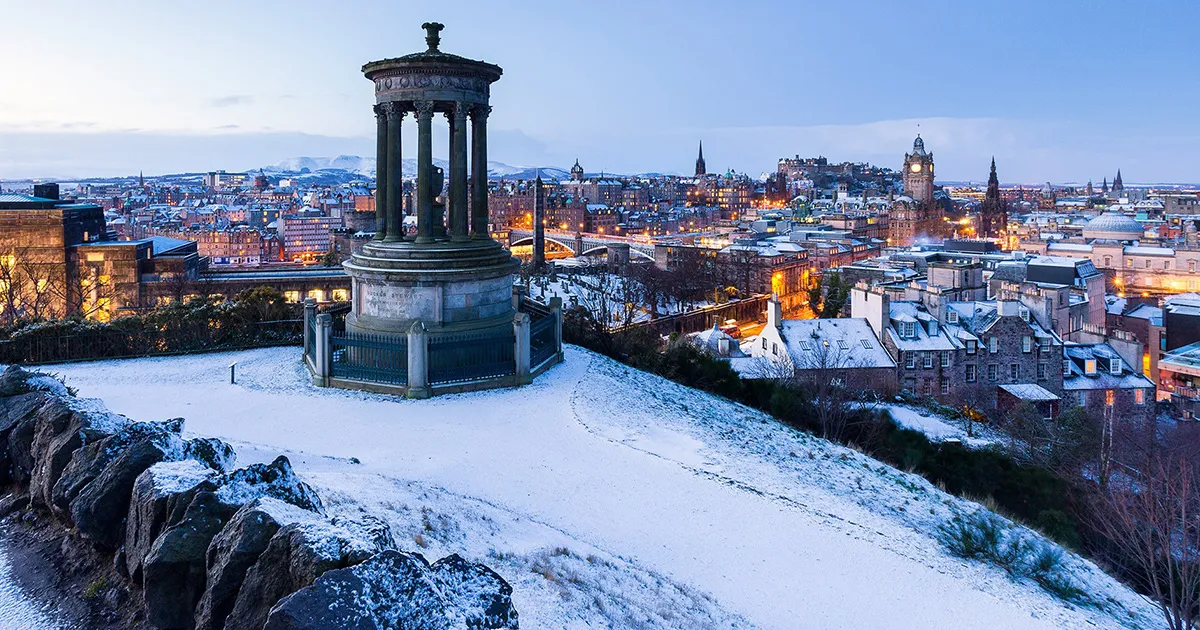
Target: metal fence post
[[310, 311], [418, 361], [556, 311], [521, 351], [321, 351]]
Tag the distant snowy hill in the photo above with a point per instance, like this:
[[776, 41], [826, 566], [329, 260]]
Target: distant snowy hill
[[365, 166]]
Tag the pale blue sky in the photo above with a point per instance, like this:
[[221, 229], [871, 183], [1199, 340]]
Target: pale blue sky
[[1063, 91]]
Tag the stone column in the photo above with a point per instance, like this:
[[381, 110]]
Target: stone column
[[458, 173], [479, 168], [556, 312], [521, 351], [310, 312], [395, 187], [322, 350], [424, 171], [418, 361], [381, 172]]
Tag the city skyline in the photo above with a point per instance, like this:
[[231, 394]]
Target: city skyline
[[1051, 96]]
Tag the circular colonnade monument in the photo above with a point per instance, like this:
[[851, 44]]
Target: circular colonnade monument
[[443, 296]]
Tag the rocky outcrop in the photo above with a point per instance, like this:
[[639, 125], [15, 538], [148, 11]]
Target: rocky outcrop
[[174, 569], [160, 497], [212, 548], [297, 555], [231, 555], [399, 590]]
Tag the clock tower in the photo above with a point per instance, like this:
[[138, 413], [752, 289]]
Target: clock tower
[[918, 174]]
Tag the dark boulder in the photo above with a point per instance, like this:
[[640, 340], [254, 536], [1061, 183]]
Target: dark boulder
[[298, 554], [61, 430], [13, 410], [399, 590], [276, 480], [391, 590], [234, 551], [483, 596], [13, 381], [174, 570], [101, 506], [159, 499], [89, 462]]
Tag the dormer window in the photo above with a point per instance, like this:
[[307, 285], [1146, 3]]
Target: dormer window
[[1024, 312], [952, 317], [933, 327], [1089, 367], [1114, 366], [1066, 367]]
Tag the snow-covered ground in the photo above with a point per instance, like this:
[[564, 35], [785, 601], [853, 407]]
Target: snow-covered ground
[[935, 427], [612, 498]]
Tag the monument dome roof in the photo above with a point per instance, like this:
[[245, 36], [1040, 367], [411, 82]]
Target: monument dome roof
[[1113, 225]]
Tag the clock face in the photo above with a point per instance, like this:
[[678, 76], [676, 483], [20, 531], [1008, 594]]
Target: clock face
[[916, 167]]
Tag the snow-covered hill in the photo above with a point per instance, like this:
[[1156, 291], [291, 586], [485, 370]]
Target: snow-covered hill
[[612, 498], [365, 166]]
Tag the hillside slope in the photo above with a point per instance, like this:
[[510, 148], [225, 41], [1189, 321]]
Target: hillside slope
[[611, 497]]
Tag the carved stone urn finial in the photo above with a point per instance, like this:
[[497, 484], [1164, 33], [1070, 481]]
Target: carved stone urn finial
[[432, 37]]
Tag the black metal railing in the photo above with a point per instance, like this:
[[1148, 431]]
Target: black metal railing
[[543, 342], [372, 358], [471, 357], [186, 338], [310, 336]]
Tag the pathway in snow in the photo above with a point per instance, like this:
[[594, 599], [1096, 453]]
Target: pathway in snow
[[614, 487]]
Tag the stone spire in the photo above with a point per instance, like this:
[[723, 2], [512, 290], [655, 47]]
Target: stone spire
[[1104, 186], [1117, 183], [993, 215], [700, 167]]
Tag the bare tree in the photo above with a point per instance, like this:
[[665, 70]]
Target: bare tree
[[974, 400], [838, 381], [1152, 529], [27, 287]]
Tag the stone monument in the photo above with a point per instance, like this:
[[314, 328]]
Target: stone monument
[[433, 311], [450, 276]]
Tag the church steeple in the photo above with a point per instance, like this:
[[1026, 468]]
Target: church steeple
[[993, 214], [1118, 185], [700, 167]]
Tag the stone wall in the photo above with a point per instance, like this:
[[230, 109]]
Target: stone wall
[[202, 546]]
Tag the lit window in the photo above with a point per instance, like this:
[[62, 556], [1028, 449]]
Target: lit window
[[1139, 396], [1109, 397]]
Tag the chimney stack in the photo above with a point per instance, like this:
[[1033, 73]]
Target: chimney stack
[[774, 311]]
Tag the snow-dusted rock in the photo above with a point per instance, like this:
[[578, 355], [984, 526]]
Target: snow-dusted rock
[[276, 479], [13, 410], [99, 510], [159, 499], [61, 429], [174, 570], [297, 555], [233, 551], [398, 590]]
